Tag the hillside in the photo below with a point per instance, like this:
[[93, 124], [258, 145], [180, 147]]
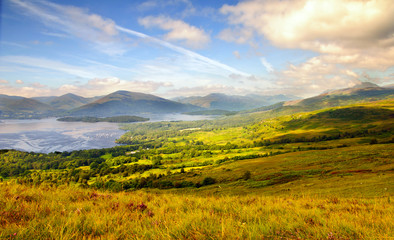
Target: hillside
[[129, 103], [233, 102], [365, 92]]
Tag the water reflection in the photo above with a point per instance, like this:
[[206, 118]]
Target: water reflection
[[49, 135]]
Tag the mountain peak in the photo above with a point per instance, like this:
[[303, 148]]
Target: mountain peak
[[365, 85]]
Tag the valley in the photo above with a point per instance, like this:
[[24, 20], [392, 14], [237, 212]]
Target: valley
[[307, 168]]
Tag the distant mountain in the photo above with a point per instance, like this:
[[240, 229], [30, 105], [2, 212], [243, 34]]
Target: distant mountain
[[233, 102], [130, 103], [365, 92], [65, 102], [45, 100], [20, 107], [68, 101]]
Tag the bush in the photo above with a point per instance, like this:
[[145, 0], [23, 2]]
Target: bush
[[246, 175], [208, 181]]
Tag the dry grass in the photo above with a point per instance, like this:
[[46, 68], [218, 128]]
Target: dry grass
[[73, 213]]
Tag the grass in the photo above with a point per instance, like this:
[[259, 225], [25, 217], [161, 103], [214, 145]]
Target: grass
[[73, 213], [357, 171]]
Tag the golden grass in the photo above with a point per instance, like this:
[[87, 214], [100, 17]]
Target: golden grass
[[72, 213]]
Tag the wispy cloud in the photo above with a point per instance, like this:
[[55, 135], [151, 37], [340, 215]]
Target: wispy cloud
[[266, 64], [103, 32], [75, 22], [48, 64], [183, 51], [13, 44]]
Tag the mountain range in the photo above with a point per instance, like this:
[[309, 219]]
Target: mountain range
[[132, 103], [364, 92], [234, 102]]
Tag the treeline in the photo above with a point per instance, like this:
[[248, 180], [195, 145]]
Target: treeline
[[81, 177]]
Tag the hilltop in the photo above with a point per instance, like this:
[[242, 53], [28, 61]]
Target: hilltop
[[124, 102]]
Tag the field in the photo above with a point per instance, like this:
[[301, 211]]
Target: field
[[325, 174], [72, 213]]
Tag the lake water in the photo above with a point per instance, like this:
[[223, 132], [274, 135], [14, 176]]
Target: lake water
[[49, 135]]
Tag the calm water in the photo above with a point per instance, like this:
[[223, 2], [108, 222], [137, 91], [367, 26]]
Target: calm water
[[49, 135]]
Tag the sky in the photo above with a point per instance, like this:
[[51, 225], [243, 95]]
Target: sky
[[173, 48]]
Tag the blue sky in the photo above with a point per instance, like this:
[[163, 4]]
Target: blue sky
[[184, 48]]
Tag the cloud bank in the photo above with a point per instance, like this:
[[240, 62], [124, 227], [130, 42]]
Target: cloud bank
[[347, 35]]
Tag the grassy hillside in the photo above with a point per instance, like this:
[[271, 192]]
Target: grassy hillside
[[364, 93], [73, 213]]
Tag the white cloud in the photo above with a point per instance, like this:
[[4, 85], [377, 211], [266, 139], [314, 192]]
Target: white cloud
[[189, 35], [238, 35], [101, 86], [354, 32], [315, 76], [266, 64], [2, 81], [319, 25], [19, 81], [95, 87], [350, 37]]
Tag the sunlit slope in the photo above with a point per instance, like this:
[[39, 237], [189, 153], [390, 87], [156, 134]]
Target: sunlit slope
[[369, 120], [359, 171], [330, 151]]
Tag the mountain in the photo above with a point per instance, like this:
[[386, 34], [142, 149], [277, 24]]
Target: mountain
[[68, 101], [45, 100], [125, 103], [233, 102], [20, 107], [65, 102], [364, 92]]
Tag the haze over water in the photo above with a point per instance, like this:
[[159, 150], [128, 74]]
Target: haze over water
[[49, 135]]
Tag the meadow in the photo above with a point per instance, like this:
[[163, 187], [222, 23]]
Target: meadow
[[67, 212]]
